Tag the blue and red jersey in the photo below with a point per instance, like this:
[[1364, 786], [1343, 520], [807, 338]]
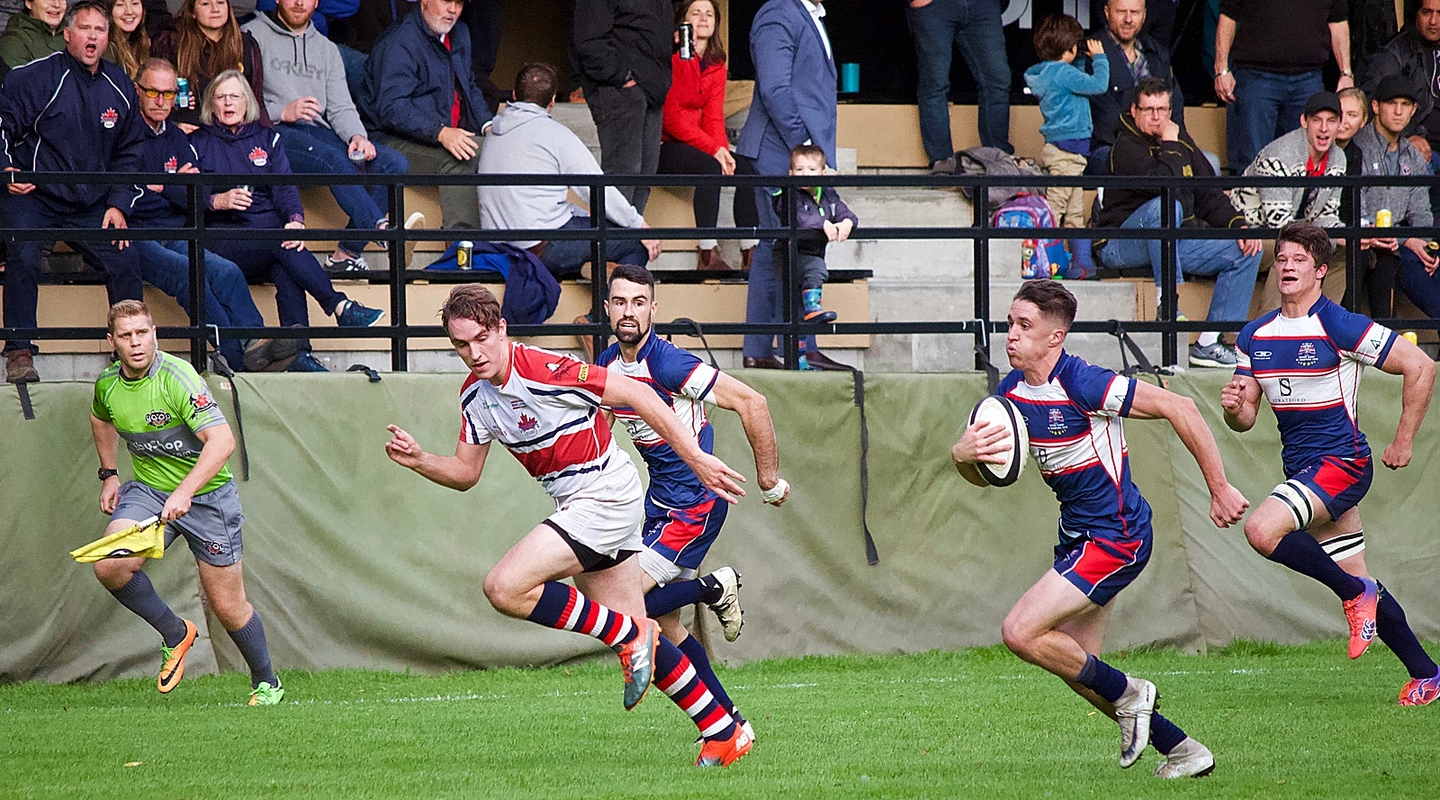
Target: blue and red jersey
[[684, 383], [1309, 369], [1078, 444]]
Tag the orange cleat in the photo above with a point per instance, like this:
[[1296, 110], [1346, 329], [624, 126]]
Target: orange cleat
[[1360, 613], [637, 661], [1420, 692], [724, 752], [172, 660]]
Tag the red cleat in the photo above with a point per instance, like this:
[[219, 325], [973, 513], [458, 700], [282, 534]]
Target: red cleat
[[1360, 613], [724, 752], [1420, 692]]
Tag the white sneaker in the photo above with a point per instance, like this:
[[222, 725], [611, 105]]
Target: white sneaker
[[727, 608], [1189, 760], [1132, 712]]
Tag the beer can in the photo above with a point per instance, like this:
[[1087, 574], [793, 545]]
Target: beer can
[[687, 41], [1383, 218], [464, 255], [182, 93], [1410, 337]]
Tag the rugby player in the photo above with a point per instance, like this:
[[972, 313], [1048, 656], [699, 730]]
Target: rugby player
[[682, 517], [178, 441], [544, 408], [1073, 414], [1306, 358]]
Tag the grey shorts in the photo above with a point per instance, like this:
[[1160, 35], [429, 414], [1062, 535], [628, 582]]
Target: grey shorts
[[211, 527]]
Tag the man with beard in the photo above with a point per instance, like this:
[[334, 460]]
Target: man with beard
[[682, 517]]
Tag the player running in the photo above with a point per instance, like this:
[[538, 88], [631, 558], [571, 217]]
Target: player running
[[682, 517], [1072, 411], [1306, 357], [178, 442], [544, 408]]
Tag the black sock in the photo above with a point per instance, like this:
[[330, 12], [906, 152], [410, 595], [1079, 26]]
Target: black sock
[[1102, 679], [251, 641], [139, 596], [1395, 632], [1299, 551]]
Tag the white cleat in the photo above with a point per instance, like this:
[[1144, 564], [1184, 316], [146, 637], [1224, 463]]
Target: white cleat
[[1132, 712], [727, 608], [1189, 760]]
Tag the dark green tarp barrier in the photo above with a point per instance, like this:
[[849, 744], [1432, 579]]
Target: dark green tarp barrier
[[355, 562]]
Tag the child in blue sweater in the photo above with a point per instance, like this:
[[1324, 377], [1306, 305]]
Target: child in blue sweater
[[1062, 88]]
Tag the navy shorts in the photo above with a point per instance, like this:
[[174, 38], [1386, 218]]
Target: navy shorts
[[211, 527], [1340, 483], [1102, 567], [677, 542]]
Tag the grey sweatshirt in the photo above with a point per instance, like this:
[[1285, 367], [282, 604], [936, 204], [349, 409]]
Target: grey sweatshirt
[[525, 140], [305, 64], [1409, 205]]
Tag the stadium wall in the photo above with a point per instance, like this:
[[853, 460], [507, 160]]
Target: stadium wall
[[355, 562]]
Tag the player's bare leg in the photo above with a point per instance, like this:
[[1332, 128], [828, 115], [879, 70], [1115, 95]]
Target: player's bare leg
[[224, 589], [1033, 631], [126, 580]]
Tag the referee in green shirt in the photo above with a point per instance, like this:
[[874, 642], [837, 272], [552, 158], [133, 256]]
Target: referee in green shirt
[[178, 441]]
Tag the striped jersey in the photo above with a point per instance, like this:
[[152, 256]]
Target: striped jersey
[[546, 414], [1078, 444], [1309, 369], [685, 384]]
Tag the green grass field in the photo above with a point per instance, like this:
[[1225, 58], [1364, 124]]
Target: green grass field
[[1283, 722]]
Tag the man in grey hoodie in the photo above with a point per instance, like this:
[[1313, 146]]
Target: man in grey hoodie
[[525, 140], [306, 94]]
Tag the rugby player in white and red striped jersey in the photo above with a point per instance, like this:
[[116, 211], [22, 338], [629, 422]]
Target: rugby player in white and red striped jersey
[[544, 407]]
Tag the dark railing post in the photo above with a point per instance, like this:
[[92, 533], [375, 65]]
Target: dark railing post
[[599, 255], [1354, 272], [1169, 296], [981, 209], [198, 335], [790, 289], [399, 316]]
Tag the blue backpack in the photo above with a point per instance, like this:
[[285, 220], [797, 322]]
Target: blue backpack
[[1039, 258]]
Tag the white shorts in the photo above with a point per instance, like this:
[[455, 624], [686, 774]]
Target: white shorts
[[607, 515]]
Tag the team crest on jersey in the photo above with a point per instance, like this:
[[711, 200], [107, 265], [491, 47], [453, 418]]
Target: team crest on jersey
[[157, 419], [1057, 422], [172, 165], [109, 118], [1306, 357], [528, 423], [259, 157], [202, 402]]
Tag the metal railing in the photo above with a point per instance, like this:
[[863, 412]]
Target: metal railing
[[980, 232]]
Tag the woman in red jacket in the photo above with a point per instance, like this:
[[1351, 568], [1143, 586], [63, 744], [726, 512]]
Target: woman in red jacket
[[693, 140]]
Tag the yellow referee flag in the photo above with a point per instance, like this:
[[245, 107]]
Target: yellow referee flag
[[145, 539]]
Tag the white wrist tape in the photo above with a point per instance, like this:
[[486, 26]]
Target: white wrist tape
[[775, 492]]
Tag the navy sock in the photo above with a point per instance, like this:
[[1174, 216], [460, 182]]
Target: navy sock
[[1395, 632], [678, 678], [673, 596], [1164, 734], [1299, 551], [563, 607], [251, 641], [700, 660], [139, 596], [554, 598], [1102, 679]]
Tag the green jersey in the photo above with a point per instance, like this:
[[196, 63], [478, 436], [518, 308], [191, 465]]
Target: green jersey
[[158, 416]]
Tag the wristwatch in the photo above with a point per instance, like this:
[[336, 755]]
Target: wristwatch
[[1347, 73], [108, 473]]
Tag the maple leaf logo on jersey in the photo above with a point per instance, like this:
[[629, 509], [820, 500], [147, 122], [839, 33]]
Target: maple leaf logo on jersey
[[109, 118], [1306, 356], [528, 423], [1057, 422], [202, 403], [172, 165], [259, 157]]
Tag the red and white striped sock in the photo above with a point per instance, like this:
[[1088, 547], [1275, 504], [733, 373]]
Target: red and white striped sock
[[676, 677], [564, 608]]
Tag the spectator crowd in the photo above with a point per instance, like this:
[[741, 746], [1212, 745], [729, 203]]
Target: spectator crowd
[[339, 87]]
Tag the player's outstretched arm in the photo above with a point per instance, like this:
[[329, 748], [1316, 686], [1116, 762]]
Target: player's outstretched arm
[[459, 472], [980, 442], [217, 443], [1240, 400], [1227, 505], [106, 440], [754, 413], [1419, 371], [718, 478]]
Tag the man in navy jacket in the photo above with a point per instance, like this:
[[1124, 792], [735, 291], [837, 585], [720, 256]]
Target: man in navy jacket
[[67, 112], [1134, 54], [794, 104], [420, 98]]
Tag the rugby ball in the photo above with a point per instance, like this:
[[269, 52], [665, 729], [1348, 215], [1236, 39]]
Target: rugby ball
[[1000, 411]]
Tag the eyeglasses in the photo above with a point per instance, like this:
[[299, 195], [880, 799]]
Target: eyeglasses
[[168, 94], [229, 98], [1154, 111]]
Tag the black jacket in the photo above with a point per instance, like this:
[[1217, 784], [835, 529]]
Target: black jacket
[[1410, 57], [1135, 153], [56, 116], [619, 40], [1105, 109]]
